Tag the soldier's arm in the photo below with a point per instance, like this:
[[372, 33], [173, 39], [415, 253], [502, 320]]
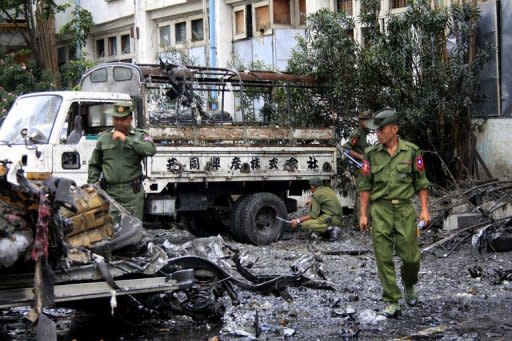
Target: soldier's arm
[[363, 216], [95, 169], [143, 145], [424, 215]]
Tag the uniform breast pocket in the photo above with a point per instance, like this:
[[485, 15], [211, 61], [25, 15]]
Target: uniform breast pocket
[[108, 151], [404, 170], [378, 173]]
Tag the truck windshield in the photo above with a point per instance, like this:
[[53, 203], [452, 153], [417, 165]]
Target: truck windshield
[[36, 114]]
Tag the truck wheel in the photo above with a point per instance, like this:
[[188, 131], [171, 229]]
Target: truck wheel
[[236, 230], [258, 218]]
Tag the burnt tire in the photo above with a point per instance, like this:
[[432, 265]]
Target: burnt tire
[[258, 222], [235, 224]]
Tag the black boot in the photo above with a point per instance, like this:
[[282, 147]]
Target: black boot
[[334, 233]]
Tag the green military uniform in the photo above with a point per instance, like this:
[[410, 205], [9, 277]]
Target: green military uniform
[[120, 163], [392, 182], [357, 141], [325, 210]]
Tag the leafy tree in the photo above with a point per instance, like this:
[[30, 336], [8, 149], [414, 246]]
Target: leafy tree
[[423, 62], [18, 77]]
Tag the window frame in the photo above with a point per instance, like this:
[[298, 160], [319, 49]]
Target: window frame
[[118, 46], [256, 30], [236, 9]]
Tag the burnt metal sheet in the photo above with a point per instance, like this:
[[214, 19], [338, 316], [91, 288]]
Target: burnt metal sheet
[[506, 61], [487, 26]]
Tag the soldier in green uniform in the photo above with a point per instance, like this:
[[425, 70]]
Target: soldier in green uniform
[[392, 172], [118, 155], [355, 147], [325, 216], [357, 143]]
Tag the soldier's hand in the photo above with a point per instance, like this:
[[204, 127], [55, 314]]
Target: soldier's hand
[[117, 135], [363, 223], [294, 223], [425, 217]]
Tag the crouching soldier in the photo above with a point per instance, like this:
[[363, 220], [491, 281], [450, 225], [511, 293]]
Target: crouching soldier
[[325, 216]]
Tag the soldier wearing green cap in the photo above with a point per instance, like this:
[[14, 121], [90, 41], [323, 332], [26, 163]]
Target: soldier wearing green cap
[[325, 216], [118, 155], [392, 173]]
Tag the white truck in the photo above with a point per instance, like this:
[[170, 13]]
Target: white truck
[[231, 166]]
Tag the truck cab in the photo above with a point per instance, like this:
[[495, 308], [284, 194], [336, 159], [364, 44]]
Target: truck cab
[[54, 132]]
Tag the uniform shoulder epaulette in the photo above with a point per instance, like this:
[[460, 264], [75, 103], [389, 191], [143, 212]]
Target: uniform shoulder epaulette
[[142, 131], [411, 145]]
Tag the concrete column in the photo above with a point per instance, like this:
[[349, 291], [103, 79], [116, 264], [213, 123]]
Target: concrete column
[[224, 42], [145, 34]]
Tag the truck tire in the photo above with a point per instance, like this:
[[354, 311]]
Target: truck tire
[[258, 222], [235, 229]]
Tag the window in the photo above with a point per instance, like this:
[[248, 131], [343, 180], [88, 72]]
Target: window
[[100, 48], [282, 12], [122, 74], [165, 36], [125, 44], [197, 30], [398, 3], [112, 46], [99, 76], [180, 30], [262, 18], [302, 12], [239, 20], [345, 6]]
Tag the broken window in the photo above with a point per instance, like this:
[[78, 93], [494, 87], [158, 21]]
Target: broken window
[[345, 6], [165, 36], [112, 46], [180, 32], [262, 18], [398, 3], [197, 30]]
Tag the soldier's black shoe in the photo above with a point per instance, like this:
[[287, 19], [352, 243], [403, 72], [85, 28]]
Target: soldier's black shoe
[[334, 233], [410, 296]]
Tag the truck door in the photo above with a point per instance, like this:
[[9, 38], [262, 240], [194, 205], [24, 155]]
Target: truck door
[[78, 136]]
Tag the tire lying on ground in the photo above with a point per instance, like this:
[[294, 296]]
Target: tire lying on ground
[[258, 223]]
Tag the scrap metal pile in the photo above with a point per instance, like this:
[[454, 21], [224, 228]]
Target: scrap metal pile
[[59, 243], [480, 212]]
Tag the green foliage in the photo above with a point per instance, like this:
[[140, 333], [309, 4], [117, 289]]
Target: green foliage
[[72, 71], [17, 77], [423, 62], [79, 26]]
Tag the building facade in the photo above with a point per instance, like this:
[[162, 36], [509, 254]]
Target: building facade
[[223, 33]]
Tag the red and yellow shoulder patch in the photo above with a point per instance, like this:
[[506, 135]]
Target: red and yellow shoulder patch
[[366, 168], [420, 165]]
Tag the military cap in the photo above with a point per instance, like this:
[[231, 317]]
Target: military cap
[[120, 109], [364, 115], [382, 118], [315, 182]]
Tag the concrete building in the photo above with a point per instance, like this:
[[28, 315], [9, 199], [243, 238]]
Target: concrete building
[[217, 32]]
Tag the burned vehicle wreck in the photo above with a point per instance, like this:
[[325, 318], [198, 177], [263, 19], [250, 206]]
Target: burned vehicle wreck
[[60, 245]]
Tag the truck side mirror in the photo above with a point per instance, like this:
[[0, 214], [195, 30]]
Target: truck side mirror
[[24, 135]]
